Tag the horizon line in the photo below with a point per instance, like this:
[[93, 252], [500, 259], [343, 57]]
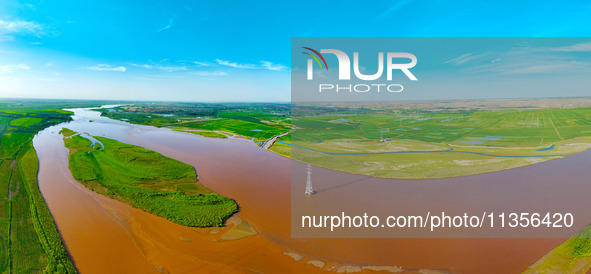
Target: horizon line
[[291, 102]]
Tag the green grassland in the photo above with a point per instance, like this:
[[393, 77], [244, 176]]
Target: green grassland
[[281, 149], [510, 128], [258, 131], [573, 256], [25, 121], [204, 133], [535, 133], [146, 180], [46, 231], [414, 165], [29, 240], [258, 122]]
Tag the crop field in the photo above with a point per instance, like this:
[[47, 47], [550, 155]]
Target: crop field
[[141, 118], [531, 128], [29, 241], [24, 238], [25, 121], [485, 139], [146, 180], [5, 216], [204, 133], [252, 121], [58, 260], [257, 131], [11, 143]]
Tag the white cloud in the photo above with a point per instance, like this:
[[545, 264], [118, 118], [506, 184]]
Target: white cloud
[[533, 65], [203, 64], [236, 65], [103, 67], [575, 48], [264, 65], [159, 67], [13, 68], [169, 25], [158, 77], [215, 73], [6, 38], [47, 79], [465, 58], [562, 67], [271, 66], [18, 26]]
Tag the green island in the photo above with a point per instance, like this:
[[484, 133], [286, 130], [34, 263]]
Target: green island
[[146, 180], [29, 239]]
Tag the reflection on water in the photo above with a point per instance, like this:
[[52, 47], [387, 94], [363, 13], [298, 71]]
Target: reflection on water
[[104, 235]]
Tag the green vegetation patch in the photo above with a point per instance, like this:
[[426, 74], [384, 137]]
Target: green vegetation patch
[[47, 234], [281, 149], [500, 128], [5, 216], [253, 121], [572, 256], [240, 127], [66, 132], [29, 240], [147, 180], [211, 134], [25, 122], [413, 165], [12, 142], [475, 141]]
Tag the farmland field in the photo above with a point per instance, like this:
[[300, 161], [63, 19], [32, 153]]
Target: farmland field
[[469, 142], [258, 122], [29, 240], [257, 131], [25, 121], [531, 128]]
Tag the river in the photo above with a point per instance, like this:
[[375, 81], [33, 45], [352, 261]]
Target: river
[[104, 235]]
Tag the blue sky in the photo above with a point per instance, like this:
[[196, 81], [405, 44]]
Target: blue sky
[[225, 50]]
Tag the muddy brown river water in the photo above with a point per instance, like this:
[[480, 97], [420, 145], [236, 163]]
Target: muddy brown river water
[[107, 236]]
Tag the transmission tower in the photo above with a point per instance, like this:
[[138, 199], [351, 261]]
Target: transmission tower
[[309, 190]]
